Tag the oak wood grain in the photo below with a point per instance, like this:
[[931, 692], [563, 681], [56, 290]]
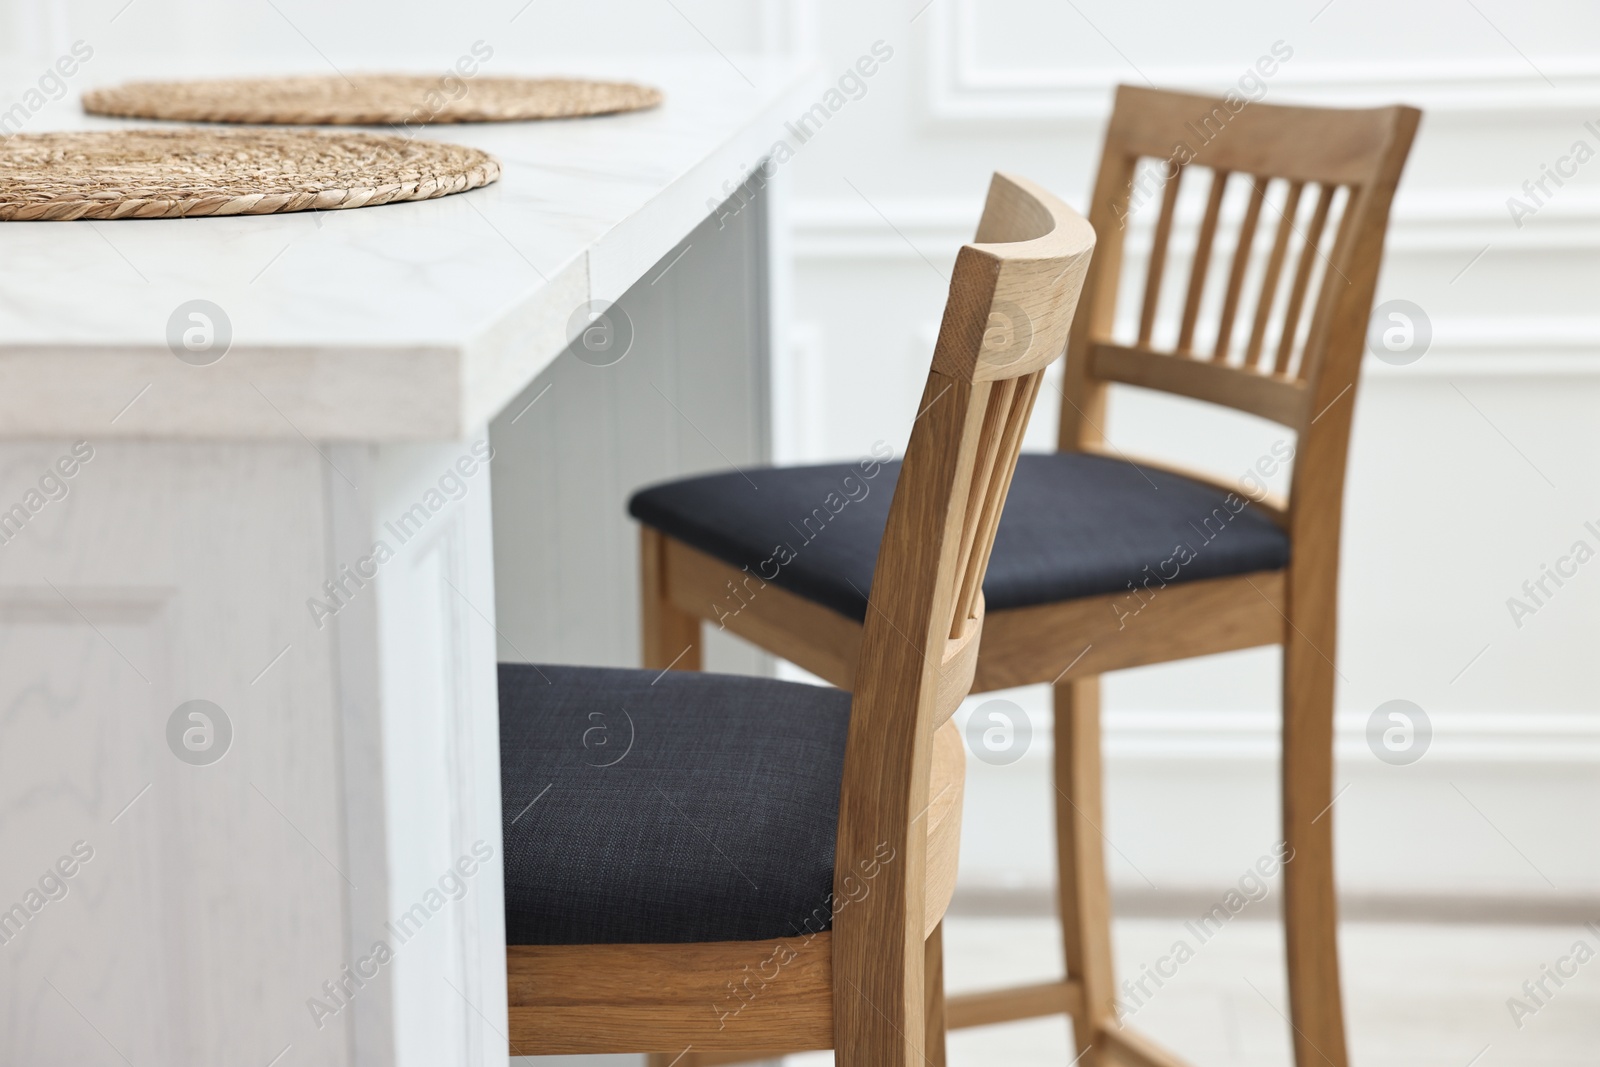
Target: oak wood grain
[[1279, 397], [746, 995], [1094, 635]]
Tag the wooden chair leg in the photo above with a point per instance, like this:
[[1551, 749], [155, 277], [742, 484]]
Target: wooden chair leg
[[1311, 915], [1081, 865], [671, 635], [933, 998]]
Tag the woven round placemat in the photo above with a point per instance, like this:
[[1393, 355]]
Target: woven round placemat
[[369, 99], [158, 174]]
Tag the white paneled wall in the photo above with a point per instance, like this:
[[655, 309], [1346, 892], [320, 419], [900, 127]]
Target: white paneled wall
[[1472, 468]]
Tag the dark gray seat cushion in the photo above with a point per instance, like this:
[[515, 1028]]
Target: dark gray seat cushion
[[681, 807], [1075, 525]]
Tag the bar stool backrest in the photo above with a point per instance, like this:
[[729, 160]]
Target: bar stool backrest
[[1285, 316], [1011, 302]]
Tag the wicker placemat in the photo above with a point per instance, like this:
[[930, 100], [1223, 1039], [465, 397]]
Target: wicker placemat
[[369, 99], [171, 173]]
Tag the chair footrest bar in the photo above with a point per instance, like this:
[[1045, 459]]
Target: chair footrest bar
[[1129, 1048], [1061, 997]]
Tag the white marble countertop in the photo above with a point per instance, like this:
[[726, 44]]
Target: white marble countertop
[[407, 321]]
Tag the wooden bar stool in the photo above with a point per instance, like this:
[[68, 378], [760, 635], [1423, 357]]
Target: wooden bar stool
[[747, 864], [1103, 562]]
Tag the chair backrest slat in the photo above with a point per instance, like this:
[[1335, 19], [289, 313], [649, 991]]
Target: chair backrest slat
[[1302, 277], [990, 445], [1269, 280], [1241, 263], [1021, 402], [1312, 357], [1202, 261], [1010, 402], [1158, 256]]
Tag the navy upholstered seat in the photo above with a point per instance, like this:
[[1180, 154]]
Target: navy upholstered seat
[[674, 807], [1075, 525]]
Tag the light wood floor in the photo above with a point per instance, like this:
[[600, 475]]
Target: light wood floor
[[1417, 995]]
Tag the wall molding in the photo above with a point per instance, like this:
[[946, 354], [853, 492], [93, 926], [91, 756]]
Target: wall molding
[[1514, 347], [1158, 761], [1190, 793], [1503, 738], [962, 90], [1457, 221], [1459, 225], [1459, 737], [980, 901]]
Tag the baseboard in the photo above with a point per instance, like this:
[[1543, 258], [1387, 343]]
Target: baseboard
[[1481, 826]]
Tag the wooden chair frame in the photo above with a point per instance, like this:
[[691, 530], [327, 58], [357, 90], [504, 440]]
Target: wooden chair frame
[[1071, 643], [863, 987]]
